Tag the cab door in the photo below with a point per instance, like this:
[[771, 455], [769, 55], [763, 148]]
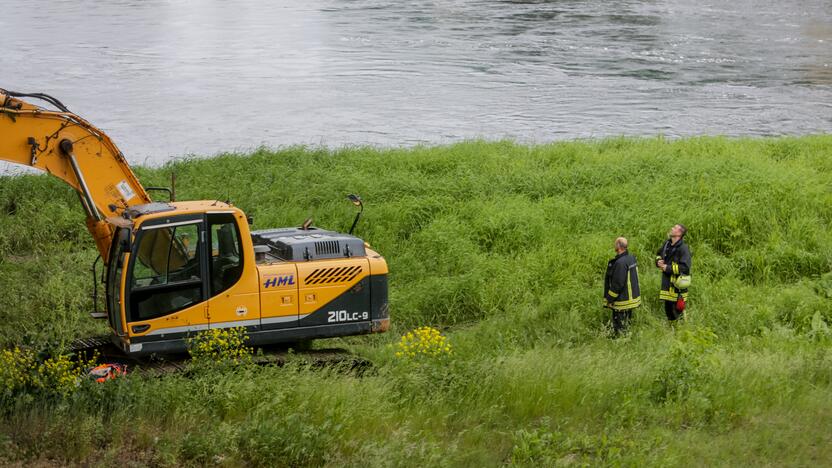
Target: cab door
[[233, 286]]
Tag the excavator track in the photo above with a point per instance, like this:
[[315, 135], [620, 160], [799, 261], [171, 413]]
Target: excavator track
[[101, 349], [90, 344]]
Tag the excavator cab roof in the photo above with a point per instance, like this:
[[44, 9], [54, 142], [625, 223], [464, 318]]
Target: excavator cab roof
[[148, 208], [155, 210]]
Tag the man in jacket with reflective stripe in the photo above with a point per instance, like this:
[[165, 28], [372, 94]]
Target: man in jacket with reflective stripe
[[673, 259], [621, 290]]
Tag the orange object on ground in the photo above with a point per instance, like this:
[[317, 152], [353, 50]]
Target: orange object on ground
[[104, 372]]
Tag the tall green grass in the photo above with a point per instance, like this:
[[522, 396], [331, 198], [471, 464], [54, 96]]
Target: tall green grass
[[503, 246]]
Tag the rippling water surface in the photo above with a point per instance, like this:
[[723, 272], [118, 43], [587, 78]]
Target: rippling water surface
[[168, 78]]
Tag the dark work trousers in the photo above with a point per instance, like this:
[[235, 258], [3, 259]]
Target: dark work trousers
[[670, 310], [621, 320]]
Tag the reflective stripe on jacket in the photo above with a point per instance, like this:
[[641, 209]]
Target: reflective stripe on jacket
[[677, 262], [621, 288]]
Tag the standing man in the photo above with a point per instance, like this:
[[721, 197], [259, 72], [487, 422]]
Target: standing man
[[621, 290], [673, 259]]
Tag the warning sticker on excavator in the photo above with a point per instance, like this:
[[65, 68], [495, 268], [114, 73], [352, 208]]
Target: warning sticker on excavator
[[125, 190]]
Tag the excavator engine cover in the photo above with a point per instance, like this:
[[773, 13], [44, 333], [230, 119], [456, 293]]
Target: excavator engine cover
[[296, 245]]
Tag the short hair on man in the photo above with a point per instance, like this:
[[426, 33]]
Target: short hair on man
[[622, 243], [684, 229]]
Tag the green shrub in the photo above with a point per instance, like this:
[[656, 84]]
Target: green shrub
[[686, 367], [21, 371], [220, 346]]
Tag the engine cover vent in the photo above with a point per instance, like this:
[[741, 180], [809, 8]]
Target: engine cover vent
[[327, 248]]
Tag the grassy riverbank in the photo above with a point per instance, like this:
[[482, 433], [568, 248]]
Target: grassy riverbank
[[502, 246]]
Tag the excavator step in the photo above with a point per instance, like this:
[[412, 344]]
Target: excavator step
[[98, 315]]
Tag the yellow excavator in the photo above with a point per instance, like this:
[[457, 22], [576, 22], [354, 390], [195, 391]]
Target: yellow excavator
[[173, 269]]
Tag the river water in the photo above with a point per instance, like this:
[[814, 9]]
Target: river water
[[169, 78]]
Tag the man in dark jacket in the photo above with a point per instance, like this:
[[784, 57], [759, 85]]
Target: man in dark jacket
[[673, 259], [621, 290]]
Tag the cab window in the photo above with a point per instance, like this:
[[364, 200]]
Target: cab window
[[114, 279], [167, 255], [167, 271], [226, 263]]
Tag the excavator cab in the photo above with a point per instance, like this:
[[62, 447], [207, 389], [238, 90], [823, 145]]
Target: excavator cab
[[164, 269]]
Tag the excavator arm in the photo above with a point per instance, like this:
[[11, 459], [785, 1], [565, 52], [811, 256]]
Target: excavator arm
[[70, 148]]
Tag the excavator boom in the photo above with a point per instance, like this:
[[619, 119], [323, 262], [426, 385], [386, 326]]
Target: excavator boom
[[70, 148]]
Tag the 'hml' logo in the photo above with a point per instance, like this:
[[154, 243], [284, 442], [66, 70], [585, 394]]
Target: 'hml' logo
[[285, 280]]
